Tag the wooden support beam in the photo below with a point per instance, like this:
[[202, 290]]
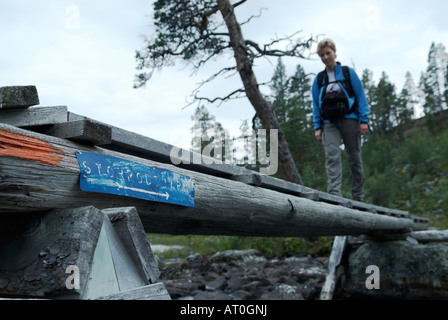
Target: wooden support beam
[[129, 228], [222, 206], [334, 262], [108, 249], [156, 291]]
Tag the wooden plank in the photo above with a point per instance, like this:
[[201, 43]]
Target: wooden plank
[[18, 97], [102, 277], [222, 206], [33, 117], [115, 268], [337, 251], [155, 291], [85, 131], [128, 276], [148, 148], [128, 226]]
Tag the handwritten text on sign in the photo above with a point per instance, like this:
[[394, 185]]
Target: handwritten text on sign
[[107, 174]]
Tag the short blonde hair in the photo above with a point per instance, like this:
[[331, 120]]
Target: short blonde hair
[[324, 44]]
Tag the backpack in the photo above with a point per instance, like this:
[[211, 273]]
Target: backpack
[[335, 105]]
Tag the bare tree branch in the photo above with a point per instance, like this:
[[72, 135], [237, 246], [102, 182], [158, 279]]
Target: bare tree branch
[[296, 47], [231, 96], [239, 3], [254, 16]]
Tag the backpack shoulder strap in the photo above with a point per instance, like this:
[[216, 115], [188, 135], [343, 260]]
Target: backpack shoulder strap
[[321, 76], [349, 88]]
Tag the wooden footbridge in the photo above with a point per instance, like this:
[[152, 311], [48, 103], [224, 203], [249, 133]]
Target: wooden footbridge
[[58, 168]]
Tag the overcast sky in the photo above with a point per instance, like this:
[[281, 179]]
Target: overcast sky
[[81, 54]]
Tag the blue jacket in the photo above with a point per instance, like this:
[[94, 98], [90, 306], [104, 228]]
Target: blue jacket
[[363, 108]]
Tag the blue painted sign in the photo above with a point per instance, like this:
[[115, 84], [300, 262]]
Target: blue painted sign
[[107, 174]]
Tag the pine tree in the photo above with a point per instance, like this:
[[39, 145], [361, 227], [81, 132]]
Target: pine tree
[[208, 134], [299, 116], [369, 90], [384, 106], [446, 84], [246, 147], [432, 81], [292, 95], [279, 91], [407, 102], [410, 97], [300, 105], [369, 86]]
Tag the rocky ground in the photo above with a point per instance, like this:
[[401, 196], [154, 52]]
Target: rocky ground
[[243, 275]]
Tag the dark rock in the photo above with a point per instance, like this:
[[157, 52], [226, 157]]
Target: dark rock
[[310, 290], [256, 289], [217, 284], [234, 283], [178, 289], [241, 295], [215, 295], [243, 275], [196, 261], [406, 270], [283, 292], [232, 255]]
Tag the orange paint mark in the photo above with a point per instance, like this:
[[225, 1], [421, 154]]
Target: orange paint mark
[[20, 146]]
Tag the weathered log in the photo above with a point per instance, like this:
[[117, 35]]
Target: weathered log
[[427, 236], [39, 119], [39, 172]]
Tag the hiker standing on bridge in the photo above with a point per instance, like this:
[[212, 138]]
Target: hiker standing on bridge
[[340, 113]]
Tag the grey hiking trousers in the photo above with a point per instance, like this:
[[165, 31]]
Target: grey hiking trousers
[[344, 131]]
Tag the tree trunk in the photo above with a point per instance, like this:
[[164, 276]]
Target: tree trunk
[[262, 107]]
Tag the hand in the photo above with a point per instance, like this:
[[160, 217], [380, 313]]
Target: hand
[[318, 134], [363, 128]]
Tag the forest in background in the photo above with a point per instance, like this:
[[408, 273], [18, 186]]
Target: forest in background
[[405, 154]]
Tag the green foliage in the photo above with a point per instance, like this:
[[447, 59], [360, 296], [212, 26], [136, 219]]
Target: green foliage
[[409, 174], [377, 155], [185, 30], [267, 246], [443, 147]]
